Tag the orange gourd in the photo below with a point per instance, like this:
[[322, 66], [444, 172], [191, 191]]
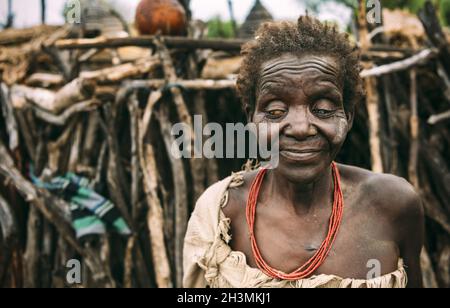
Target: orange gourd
[[165, 16]]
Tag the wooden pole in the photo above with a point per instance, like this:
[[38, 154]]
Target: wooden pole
[[181, 212], [372, 95], [148, 41], [155, 217], [10, 16], [43, 11], [414, 123], [232, 18]]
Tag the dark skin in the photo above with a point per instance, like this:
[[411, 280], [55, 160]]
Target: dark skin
[[383, 216]]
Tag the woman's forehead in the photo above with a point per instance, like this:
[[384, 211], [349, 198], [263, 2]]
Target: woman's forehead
[[289, 67], [326, 64]]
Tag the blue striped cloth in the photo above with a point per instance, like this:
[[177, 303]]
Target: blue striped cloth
[[91, 212]]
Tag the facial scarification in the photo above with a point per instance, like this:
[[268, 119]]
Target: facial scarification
[[304, 95], [287, 65], [264, 56], [341, 130]]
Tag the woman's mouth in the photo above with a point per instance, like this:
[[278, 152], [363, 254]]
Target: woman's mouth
[[301, 155]]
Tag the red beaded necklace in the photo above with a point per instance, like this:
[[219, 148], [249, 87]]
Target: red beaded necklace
[[319, 257]]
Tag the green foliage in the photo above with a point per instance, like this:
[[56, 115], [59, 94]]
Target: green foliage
[[412, 5], [445, 12], [315, 4], [220, 29], [415, 5]]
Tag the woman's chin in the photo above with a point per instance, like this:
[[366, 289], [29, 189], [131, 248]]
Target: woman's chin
[[302, 173]]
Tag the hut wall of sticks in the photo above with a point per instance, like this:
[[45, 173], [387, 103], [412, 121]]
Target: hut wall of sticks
[[88, 121]]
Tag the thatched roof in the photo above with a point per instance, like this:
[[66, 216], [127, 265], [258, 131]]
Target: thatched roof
[[98, 15], [258, 14]]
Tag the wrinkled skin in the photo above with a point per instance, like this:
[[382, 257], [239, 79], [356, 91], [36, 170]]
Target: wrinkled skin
[[383, 216]]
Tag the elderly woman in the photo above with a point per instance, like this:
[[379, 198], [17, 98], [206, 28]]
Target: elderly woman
[[309, 222]]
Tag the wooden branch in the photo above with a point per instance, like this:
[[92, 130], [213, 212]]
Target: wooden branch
[[8, 224], [142, 275], [101, 163], [391, 49], [444, 261], [231, 45], [439, 173], [54, 149], [200, 109], [406, 64], [47, 253], [26, 131], [437, 118], [391, 108], [88, 55], [181, 195], [41, 153], [90, 142], [371, 96], [32, 250], [135, 169], [155, 216], [18, 36], [9, 231], [76, 91], [414, 124], [195, 165], [433, 208], [115, 173], [196, 84], [170, 74], [61, 120], [133, 247], [51, 212], [65, 68], [155, 219], [118, 73], [128, 263], [8, 114], [45, 80], [430, 21], [40, 97], [429, 277], [74, 154], [147, 41]]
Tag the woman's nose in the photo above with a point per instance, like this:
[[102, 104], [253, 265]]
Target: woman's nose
[[298, 124]]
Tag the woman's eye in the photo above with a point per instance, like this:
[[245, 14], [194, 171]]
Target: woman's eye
[[323, 112], [275, 113], [324, 108]]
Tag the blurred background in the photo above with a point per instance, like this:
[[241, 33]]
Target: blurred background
[[29, 13], [89, 91]]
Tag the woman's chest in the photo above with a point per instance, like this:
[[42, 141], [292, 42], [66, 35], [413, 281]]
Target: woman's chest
[[363, 249]]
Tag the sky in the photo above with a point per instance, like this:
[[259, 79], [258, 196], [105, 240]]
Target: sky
[[27, 12]]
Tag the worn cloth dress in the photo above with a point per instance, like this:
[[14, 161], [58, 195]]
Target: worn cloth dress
[[209, 261]]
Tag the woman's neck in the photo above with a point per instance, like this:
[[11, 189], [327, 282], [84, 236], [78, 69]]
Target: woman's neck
[[302, 198]]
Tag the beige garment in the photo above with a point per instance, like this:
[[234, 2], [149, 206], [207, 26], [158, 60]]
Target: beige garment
[[210, 261]]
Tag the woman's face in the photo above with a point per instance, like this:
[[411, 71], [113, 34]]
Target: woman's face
[[303, 95]]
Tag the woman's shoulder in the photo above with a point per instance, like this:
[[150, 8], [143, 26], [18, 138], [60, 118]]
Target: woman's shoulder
[[389, 192], [217, 195], [237, 194], [227, 195]]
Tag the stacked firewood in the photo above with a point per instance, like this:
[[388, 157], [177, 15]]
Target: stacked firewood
[[102, 109]]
